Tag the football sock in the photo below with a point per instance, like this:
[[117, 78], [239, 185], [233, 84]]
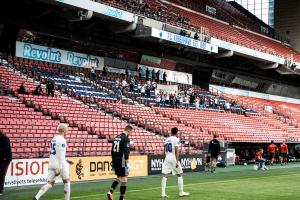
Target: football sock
[[114, 185], [122, 190], [180, 184], [43, 190], [67, 190], [163, 185]]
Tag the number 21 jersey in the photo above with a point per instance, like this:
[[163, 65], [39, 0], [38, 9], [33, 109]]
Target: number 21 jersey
[[120, 149]]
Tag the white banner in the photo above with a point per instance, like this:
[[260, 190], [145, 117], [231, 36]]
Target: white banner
[[100, 9], [27, 172], [172, 37], [234, 91], [246, 51], [172, 76], [169, 89], [47, 54]]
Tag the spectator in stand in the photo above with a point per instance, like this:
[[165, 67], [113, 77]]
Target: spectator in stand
[[143, 7], [196, 36], [180, 101], [157, 76], [158, 100], [154, 86], [167, 99], [105, 70], [192, 99], [227, 106], [131, 86], [22, 89], [216, 103], [165, 77], [140, 70], [50, 88], [148, 91], [185, 92], [38, 90], [127, 72], [147, 74], [124, 85], [176, 101], [184, 99], [93, 74], [163, 100], [5, 158], [211, 102], [153, 75], [118, 94], [172, 100], [197, 103], [143, 90]]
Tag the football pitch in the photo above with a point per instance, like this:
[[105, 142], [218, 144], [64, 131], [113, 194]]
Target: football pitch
[[237, 182]]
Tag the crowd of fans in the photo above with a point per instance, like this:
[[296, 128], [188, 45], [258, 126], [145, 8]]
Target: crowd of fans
[[144, 86], [50, 89], [191, 99], [162, 13], [158, 12]]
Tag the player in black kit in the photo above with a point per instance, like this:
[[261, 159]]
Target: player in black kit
[[214, 150], [120, 155]]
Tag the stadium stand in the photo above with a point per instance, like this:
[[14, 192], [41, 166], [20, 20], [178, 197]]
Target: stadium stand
[[221, 29], [89, 124], [288, 113], [91, 129], [224, 11]]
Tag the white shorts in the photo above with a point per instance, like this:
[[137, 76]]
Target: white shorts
[[170, 166], [64, 174]]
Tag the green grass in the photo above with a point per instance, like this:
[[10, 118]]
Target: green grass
[[239, 182]]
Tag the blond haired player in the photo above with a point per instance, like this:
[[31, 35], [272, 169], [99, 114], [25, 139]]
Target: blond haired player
[[172, 164], [58, 165]]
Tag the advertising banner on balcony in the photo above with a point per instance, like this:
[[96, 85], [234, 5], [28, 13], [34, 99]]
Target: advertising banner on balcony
[[150, 60], [64, 57], [27, 172], [187, 41], [101, 9], [94, 168], [189, 163]]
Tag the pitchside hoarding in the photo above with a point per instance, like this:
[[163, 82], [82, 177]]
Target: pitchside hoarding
[[95, 168], [27, 172], [189, 163], [34, 171]]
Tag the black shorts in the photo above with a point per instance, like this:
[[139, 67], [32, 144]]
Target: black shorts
[[120, 171], [214, 155], [272, 155]]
